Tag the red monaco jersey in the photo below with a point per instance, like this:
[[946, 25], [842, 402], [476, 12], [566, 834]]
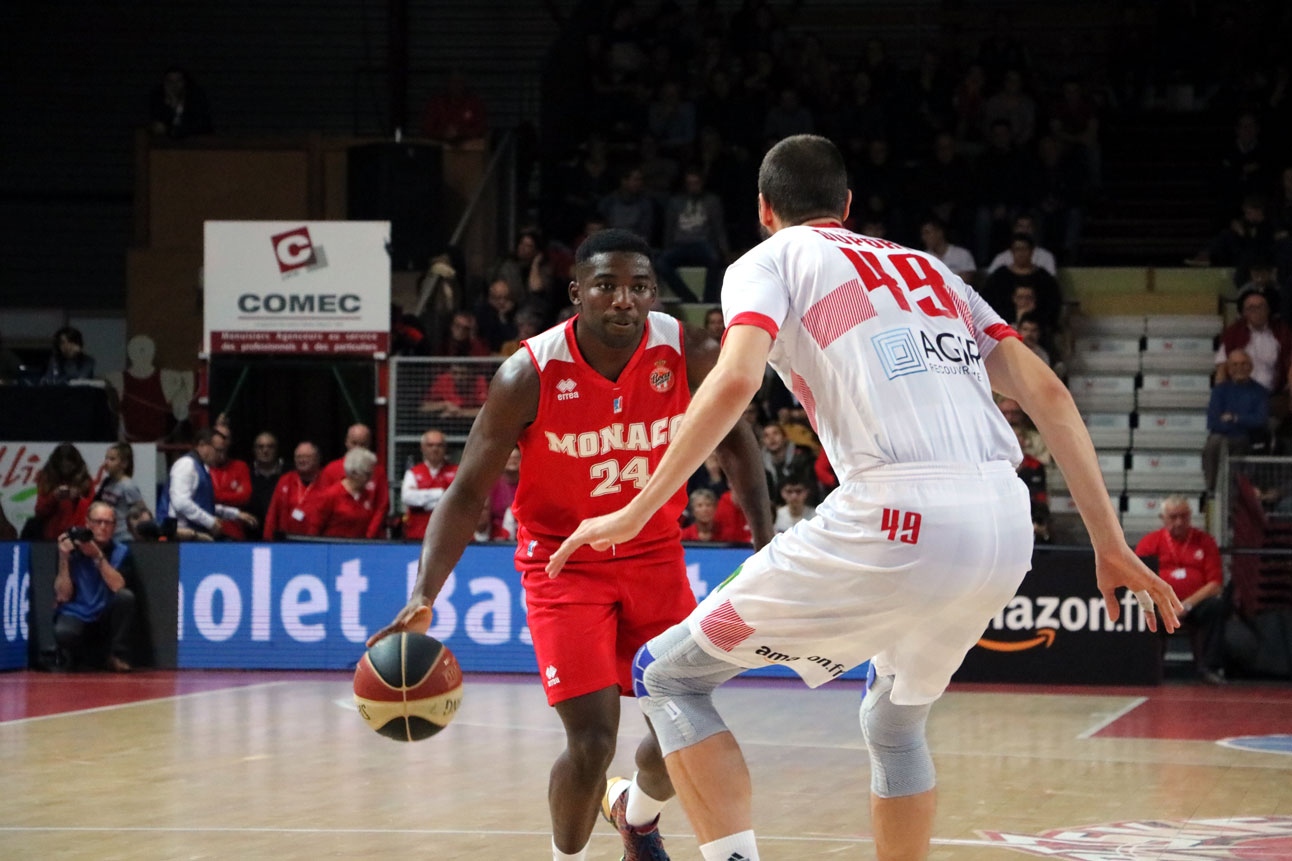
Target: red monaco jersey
[[595, 443]]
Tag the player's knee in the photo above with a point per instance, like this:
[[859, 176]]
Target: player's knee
[[591, 748], [900, 762]]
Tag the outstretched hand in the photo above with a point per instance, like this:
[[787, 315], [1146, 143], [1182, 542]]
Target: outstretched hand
[[1123, 568], [599, 533], [414, 618]]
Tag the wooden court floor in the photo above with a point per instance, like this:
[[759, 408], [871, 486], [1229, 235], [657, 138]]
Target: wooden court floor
[[213, 765]]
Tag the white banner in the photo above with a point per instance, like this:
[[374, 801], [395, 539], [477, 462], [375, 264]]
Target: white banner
[[297, 288], [20, 461]]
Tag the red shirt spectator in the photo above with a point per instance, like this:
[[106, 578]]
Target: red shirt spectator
[[335, 512], [378, 486], [1188, 558], [424, 485], [290, 500], [231, 481]]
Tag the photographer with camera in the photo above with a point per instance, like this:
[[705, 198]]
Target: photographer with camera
[[90, 592]]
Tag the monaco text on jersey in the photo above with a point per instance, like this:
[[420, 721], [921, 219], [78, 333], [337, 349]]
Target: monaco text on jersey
[[635, 436]]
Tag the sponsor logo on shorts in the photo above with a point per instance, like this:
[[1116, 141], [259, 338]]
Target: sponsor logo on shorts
[[1161, 839], [552, 677], [771, 656], [1029, 623]]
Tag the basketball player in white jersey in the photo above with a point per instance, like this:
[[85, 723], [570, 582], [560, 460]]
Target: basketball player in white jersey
[[928, 535]]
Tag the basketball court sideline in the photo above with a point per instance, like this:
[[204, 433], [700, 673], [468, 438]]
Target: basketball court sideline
[[195, 765]]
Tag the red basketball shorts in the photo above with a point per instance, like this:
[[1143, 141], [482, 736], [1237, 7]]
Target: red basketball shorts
[[589, 621]]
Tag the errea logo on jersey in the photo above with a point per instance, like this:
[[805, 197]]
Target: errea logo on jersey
[[566, 390]]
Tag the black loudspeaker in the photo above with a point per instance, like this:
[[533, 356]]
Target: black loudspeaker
[[402, 184]]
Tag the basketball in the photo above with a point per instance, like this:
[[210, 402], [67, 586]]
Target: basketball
[[408, 686]]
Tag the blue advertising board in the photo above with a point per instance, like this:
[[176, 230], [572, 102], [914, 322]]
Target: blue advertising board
[[312, 606], [16, 568]]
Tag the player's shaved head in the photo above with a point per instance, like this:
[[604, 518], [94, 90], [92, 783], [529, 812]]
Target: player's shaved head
[[804, 177]]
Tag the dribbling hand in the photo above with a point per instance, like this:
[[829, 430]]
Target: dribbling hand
[[414, 618]]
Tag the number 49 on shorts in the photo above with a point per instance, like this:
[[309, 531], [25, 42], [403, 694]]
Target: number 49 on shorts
[[903, 526]]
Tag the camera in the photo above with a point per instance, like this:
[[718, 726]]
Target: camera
[[80, 534]]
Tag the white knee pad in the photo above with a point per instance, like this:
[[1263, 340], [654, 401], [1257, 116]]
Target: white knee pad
[[900, 762], [674, 680]]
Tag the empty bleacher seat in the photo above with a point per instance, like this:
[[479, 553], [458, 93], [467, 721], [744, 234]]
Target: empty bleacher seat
[[1105, 354], [1112, 465], [1112, 326], [1175, 391], [1171, 430], [1190, 354], [1183, 325], [1165, 472], [1109, 430], [1103, 394], [1065, 521]]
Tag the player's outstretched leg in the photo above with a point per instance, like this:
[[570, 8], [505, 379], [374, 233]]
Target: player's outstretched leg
[[579, 773]]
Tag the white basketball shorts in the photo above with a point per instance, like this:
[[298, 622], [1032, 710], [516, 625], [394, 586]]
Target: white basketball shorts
[[904, 566]]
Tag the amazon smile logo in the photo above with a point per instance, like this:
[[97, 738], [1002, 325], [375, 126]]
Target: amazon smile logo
[[1044, 638], [1029, 622]]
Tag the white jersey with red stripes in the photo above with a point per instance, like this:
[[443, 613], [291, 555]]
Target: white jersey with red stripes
[[883, 346]]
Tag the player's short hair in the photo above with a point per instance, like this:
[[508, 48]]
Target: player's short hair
[[804, 177], [610, 240]]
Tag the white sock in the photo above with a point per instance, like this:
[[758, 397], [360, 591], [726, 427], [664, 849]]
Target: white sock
[[642, 809], [558, 855], [733, 847]]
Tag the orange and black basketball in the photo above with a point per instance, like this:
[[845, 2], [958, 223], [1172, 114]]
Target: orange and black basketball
[[408, 686]]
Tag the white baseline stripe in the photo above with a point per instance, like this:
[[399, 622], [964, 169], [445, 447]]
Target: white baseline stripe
[[1108, 719]]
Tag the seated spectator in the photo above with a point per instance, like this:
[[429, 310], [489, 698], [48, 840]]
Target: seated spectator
[[528, 324], [715, 324], [933, 235], [695, 234], [1061, 193], [503, 492], [709, 477], [63, 488], [463, 340], [1237, 414], [1002, 188], [671, 120], [68, 360], [424, 484], [1268, 343], [486, 531], [786, 461], [1029, 438], [92, 604], [348, 508], [704, 510], [1263, 279], [1189, 560], [1074, 122], [454, 113], [407, 334], [178, 108], [629, 207], [1041, 257], [1013, 106], [796, 507], [1247, 238], [1031, 470], [1022, 272], [456, 392], [788, 116], [1029, 329], [360, 436], [118, 488], [290, 503], [943, 185], [496, 315]]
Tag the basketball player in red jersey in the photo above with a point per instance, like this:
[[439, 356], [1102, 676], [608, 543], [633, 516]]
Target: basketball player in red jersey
[[592, 403]]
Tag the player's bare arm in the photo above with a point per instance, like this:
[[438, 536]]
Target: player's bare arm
[[511, 406], [717, 406], [739, 452], [1017, 373]]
